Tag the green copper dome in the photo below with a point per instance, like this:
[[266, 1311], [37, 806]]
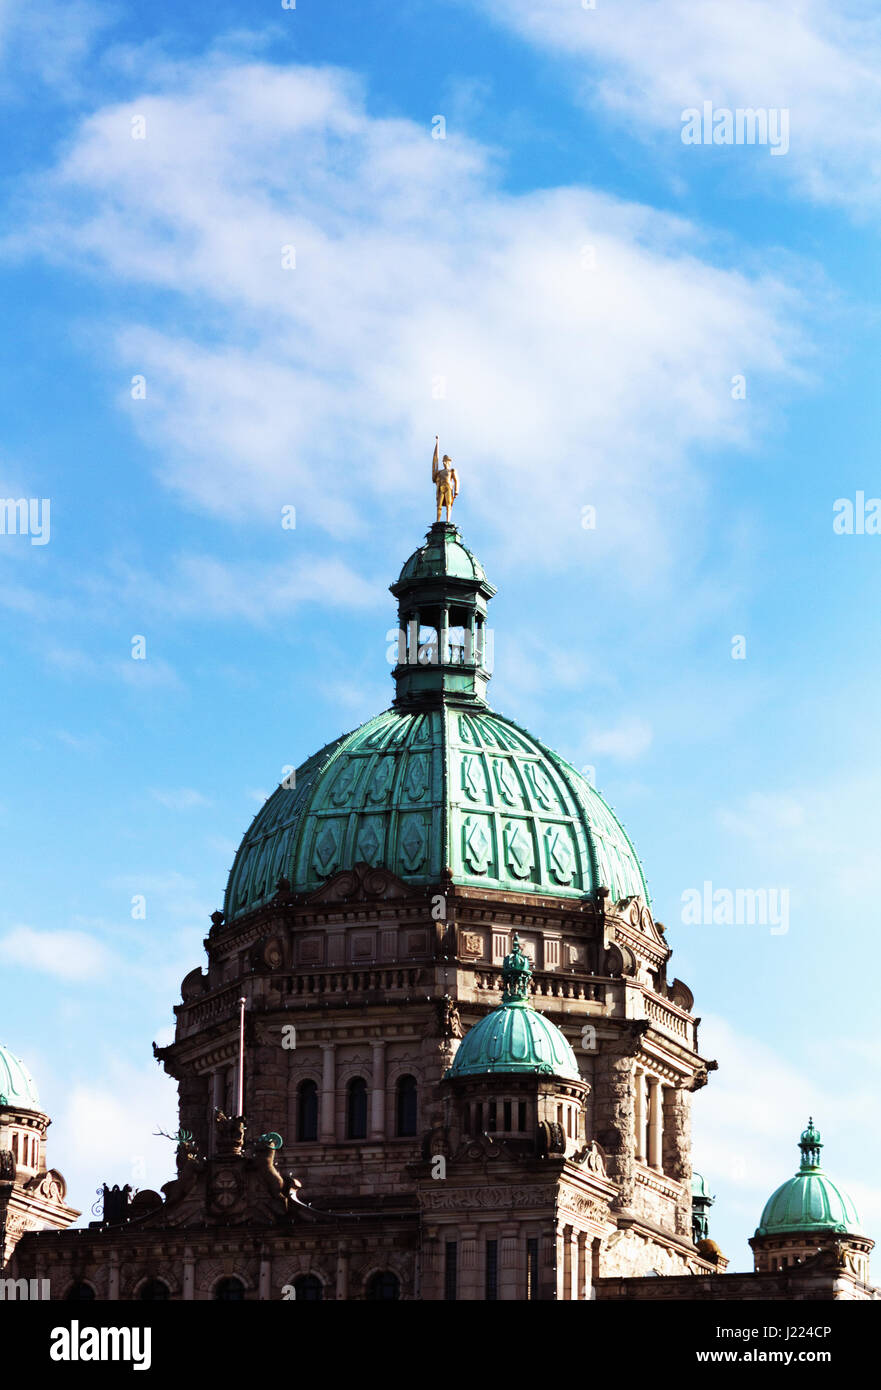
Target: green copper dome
[[442, 555], [438, 783], [809, 1201], [17, 1087], [514, 1037], [471, 792]]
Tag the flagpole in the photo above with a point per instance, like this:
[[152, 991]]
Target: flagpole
[[241, 1096]]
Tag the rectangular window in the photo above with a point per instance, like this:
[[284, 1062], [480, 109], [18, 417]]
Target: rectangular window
[[532, 1269], [451, 1271], [491, 1117], [15, 1147], [492, 1271], [522, 1117], [478, 1118]]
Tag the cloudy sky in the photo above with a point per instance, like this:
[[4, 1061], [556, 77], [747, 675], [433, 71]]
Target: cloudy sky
[[254, 258]]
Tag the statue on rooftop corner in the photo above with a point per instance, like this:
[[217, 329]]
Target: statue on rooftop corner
[[443, 475]]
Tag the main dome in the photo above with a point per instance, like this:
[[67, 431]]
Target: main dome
[[17, 1087], [439, 784]]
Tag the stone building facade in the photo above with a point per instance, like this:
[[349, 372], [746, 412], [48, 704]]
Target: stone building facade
[[366, 925]]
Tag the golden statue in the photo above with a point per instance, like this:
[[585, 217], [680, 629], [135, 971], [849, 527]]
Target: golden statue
[[443, 475]]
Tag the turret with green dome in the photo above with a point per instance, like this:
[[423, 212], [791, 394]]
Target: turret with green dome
[[807, 1212]]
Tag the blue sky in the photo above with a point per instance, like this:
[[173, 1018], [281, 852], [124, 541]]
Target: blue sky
[[566, 292]]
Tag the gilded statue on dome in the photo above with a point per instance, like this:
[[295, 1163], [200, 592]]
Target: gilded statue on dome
[[443, 475]]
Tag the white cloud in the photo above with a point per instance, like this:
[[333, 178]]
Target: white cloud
[[416, 278], [107, 1132], [644, 62], [71, 955], [627, 739]]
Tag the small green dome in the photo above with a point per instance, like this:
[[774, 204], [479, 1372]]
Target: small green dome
[[442, 555], [514, 1037], [809, 1201], [17, 1087]]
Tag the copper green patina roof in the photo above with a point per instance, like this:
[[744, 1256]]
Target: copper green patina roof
[[439, 782], [810, 1201], [17, 1087], [515, 1038]]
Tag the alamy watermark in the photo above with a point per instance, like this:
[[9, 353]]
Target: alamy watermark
[[736, 907], [25, 516], [745, 125]]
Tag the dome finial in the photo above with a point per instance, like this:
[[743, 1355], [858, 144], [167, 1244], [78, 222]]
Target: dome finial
[[516, 974], [810, 1145]]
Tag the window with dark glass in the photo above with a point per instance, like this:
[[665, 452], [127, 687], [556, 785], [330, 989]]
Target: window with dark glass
[[383, 1286], [307, 1112], [492, 1271], [308, 1289], [451, 1271], [356, 1109], [405, 1119], [521, 1116], [491, 1117]]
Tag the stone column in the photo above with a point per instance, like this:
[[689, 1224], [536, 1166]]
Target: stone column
[[677, 1151], [561, 1264], [189, 1279], [377, 1094], [656, 1122], [113, 1276], [574, 1265], [639, 1114], [584, 1261], [327, 1105], [618, 1139], [342, 1274], [264, 1280]]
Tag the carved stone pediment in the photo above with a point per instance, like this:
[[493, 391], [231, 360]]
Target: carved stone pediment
[[360, 883], [635, 913]]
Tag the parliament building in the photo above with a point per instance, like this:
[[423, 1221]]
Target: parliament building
[[436, 1051]]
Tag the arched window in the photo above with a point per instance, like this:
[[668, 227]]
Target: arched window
[[153, 1291], [307, 1111], [405, 1119], [308, 1288], [230, 1290], [356, 1109], [80, 1292], [383, 1285]]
